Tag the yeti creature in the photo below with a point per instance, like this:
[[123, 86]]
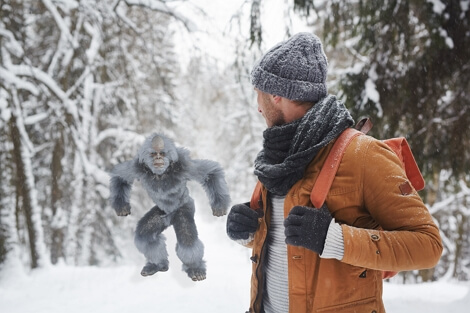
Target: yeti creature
[[164, 170]]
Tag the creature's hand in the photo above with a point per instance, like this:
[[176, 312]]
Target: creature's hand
[[219, 212], [124, 210], [307, 227], [241, 222]]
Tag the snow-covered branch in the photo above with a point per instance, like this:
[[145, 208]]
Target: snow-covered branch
[[119, 133], [10, 79], [44, 78], [162, 7], [28, 145], [444, 204], [11, 44], [60, 23]]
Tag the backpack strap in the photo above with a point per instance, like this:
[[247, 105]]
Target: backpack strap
[[256, 197], [330, 167], [364, 125], [328, 172]]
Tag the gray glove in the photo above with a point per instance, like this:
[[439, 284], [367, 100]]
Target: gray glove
[[242, 221], [307, 227]]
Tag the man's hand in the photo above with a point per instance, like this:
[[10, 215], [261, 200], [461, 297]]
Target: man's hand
[[124, 210], [307, 227], [242, 221]]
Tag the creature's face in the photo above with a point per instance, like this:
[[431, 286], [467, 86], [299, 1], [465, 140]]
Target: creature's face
[[158, 152], [160, 161]]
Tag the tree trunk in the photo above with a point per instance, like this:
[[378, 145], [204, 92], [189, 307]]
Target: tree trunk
[[9, 241], [22, 189], [462, 221], [57, 242], [3, 207]]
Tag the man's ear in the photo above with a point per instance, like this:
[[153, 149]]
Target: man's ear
[[276, 98]]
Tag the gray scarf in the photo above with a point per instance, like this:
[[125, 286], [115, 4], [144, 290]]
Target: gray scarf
[[288, 149]]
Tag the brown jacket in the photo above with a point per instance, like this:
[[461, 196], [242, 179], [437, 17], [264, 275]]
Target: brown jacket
[[383, 229]]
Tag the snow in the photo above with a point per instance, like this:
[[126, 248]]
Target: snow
[[60, 22], [449, 42], [120, 288], [29, 71], [11, 44], [464, 5], [437, 6], [36, 118], [371, 91], [12, 79]]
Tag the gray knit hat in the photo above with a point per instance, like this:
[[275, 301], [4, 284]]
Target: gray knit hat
[[295, 69]]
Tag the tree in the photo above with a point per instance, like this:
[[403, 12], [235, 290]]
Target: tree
[[78, 83], [416, 80]]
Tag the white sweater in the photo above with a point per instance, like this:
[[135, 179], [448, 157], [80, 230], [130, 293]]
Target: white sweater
[[276, 296]]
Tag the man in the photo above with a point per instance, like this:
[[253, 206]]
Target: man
[[327, 259]]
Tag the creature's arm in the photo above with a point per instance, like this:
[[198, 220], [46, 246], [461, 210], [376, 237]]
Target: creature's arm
[[212, 178], [122, 177]]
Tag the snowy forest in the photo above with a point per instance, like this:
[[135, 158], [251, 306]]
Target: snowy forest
[[83, 82]]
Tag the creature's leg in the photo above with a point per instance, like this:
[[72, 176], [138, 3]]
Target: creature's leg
[[150, 241], [189, 248]]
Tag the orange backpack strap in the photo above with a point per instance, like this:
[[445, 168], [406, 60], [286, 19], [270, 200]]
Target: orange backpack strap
[[330, 167], [256, 197]]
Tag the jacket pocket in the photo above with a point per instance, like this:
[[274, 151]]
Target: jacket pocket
[[367, 305]]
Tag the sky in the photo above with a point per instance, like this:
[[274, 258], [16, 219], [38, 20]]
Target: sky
[[214, 34]]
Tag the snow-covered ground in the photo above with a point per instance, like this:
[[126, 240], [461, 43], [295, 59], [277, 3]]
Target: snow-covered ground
[[121, 289]]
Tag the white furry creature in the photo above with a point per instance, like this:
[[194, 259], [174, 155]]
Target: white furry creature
[[164, 170]]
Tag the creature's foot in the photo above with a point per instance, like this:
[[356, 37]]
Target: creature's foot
[[196, 274], [152, 268]]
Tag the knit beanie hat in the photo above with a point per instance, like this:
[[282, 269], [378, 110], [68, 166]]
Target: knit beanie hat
[[295, 69]]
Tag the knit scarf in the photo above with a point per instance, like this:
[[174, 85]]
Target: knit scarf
[[289, 148]]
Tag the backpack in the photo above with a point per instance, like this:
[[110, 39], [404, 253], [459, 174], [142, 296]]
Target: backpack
[[327, 174]]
